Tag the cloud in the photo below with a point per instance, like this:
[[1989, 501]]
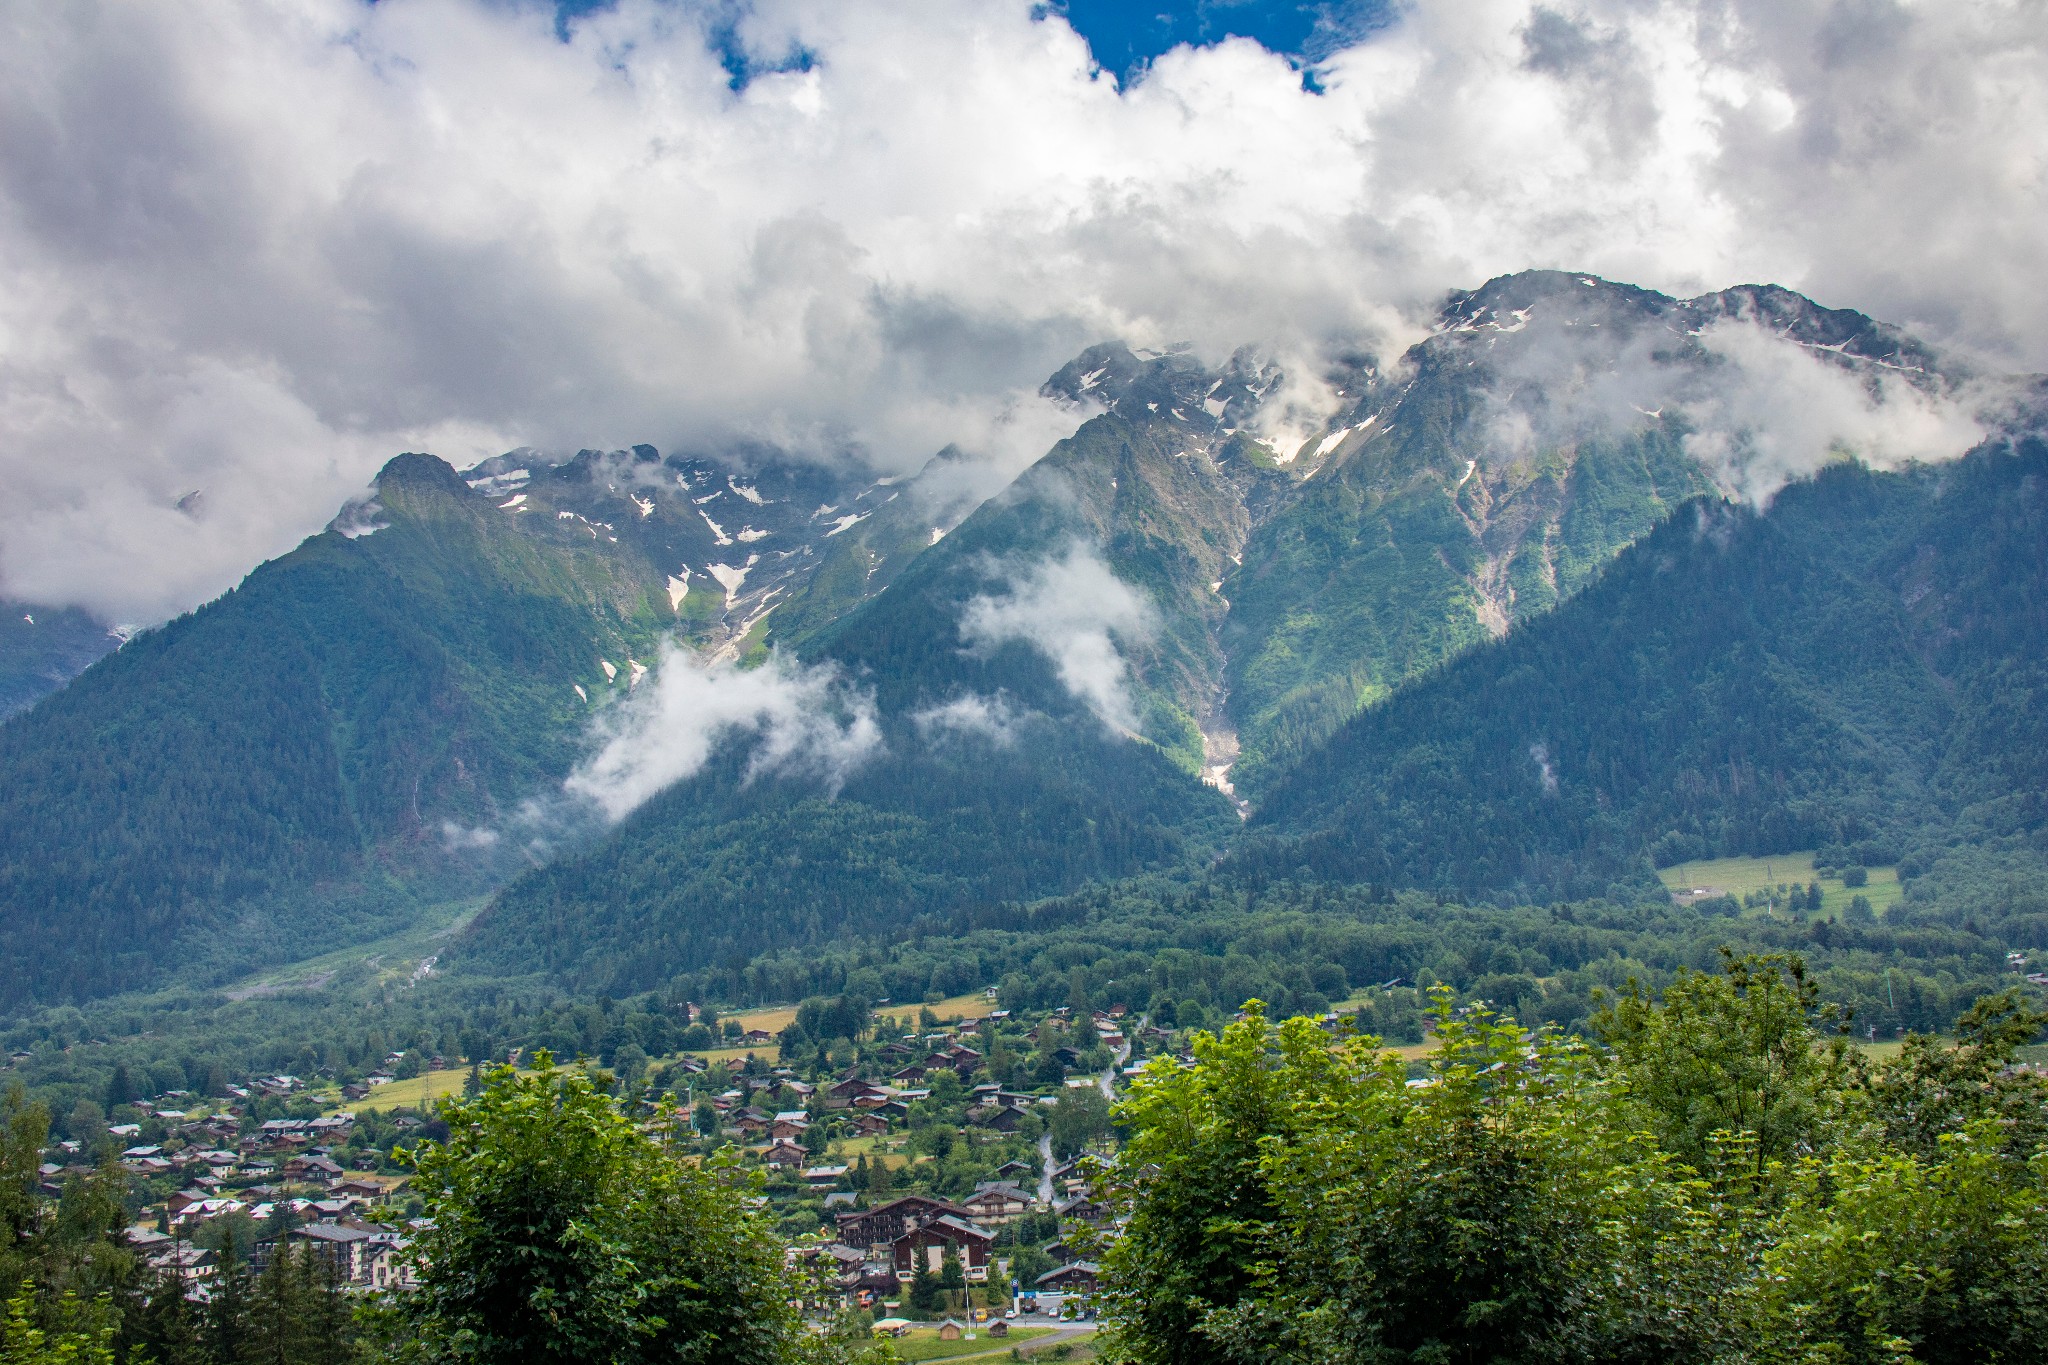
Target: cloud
[[1072, 608], [804, 721], [253, 250], [989, 718], [1774, 412]]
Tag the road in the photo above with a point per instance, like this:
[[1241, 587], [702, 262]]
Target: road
[[1106, 1082]]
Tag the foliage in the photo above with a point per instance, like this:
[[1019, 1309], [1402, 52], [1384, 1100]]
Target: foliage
[[1749, 1051], [562, 1233], [1294, 1196]]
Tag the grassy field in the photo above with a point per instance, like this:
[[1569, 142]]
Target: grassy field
[[1738, 877], [888, 1019], [922, 1343], [406, 1094]]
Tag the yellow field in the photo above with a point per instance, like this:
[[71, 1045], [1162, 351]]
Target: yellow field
[[1739, 876], [406, 1094], [890, 1018]]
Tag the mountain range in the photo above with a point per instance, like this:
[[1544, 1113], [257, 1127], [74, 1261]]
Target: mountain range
[[1489, 626]]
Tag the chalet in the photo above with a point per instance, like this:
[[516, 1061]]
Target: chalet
[[878, 1227], [1002, 1118], [997, 1202], [1078, 1278], [1081, 1207], [909, 1075], [824, 1177], [757, 1037], [309, 1167], [849, 1092], [783, 1153], [923, 1246], [1014, 1170], [869, 1125], [790, 1124]]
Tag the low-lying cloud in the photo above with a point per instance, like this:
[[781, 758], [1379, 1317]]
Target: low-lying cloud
[[990, 718], [1774, 412], [1073, 609], [254, 248], [803, 721]]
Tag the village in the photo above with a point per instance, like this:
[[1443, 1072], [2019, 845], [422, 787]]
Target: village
[[928, 1173]]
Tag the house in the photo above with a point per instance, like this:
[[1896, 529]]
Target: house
[[1081, 1207], [346, 1250], [386, 1265], [790, 1124], [878, 1227], [909, 1075], [849, 1092], [1014, 1170], [870, 1125], [824, 1177], [1078, 1278], [785, 1153], [757, 1037], [1003, 1119], [997, 1202], [952, 1329], [310, 1167], [924, 1246]]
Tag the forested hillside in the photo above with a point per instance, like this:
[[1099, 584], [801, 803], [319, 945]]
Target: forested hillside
[[1194, 588], [1858, 669], [42, 648]]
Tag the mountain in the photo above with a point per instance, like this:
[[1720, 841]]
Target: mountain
[[297, 764], [1485, 478], [1858, 669], [42, 648], [1198, 590], [995, 778]]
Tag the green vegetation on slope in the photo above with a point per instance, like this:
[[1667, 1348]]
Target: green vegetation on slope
[[1829, 675], [270, 773]]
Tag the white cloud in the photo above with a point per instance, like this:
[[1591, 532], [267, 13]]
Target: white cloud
[[989, 718], [1072, 608], [253, 249], [1775, 412], [803, 720]]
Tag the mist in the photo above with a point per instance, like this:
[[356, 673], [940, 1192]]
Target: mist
[[803, 721], [1072, 608]]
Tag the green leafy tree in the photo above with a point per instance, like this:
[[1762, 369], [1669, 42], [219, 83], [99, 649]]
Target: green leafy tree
[[1881, 1255], [1750, 1051], [1929, 1091], [562, 1233]]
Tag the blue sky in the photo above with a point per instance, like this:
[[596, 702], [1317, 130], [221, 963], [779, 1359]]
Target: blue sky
[[1127, 35]]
